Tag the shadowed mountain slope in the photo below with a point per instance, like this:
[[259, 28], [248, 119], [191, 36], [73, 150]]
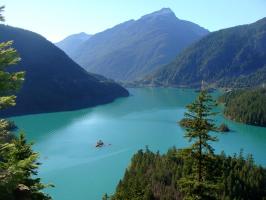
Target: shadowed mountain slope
[[53, 81]]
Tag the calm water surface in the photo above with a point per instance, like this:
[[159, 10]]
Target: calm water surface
[[66, 140]]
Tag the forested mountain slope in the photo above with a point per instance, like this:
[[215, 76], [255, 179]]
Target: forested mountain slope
[[53, 81], [246, 106], [230, 57]]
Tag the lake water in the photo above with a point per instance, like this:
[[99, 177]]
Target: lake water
[[66, 140]]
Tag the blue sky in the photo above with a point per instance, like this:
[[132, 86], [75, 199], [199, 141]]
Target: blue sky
[[56, 19]]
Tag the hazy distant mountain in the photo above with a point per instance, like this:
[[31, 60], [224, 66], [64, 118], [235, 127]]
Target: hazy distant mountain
[[71, 43], [230, 57], [53, 81], [135, 48]]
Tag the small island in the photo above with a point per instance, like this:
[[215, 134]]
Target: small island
[[246, 106], [223, 128]]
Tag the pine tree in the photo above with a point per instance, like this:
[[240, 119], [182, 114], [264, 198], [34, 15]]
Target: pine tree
[[9, 82], [199, 124], [18, 163]]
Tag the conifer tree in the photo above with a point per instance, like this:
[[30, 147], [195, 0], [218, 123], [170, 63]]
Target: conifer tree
[[9, 82], [18, 163], [199, 124]]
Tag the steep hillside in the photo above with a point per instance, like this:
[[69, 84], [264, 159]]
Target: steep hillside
[[154, 176], [221, 58], [133, 49], [246, 106], [53, 81]]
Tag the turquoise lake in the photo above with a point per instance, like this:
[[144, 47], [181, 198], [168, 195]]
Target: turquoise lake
[[66, 140]]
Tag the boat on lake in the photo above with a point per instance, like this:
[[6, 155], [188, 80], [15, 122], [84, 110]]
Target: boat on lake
[[99, 143]]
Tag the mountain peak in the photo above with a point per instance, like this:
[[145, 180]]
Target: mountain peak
[[165, 11], [159, 13], [81, 35]]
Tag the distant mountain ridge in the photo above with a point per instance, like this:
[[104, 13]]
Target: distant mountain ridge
[[71, 43], [53, 81], [134, 48], [232, 57]]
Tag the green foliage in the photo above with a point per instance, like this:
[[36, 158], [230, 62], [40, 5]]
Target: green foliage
[[53, 78], [6, 127], [184, 122], [149, 176], [9, 82], [18, 165], [193, 173], [198, 123], [158, 177], [232, 57], [18, 162], [252, 80], [246, 106]]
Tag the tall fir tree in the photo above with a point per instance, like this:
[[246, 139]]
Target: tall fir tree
[[199, 124]]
